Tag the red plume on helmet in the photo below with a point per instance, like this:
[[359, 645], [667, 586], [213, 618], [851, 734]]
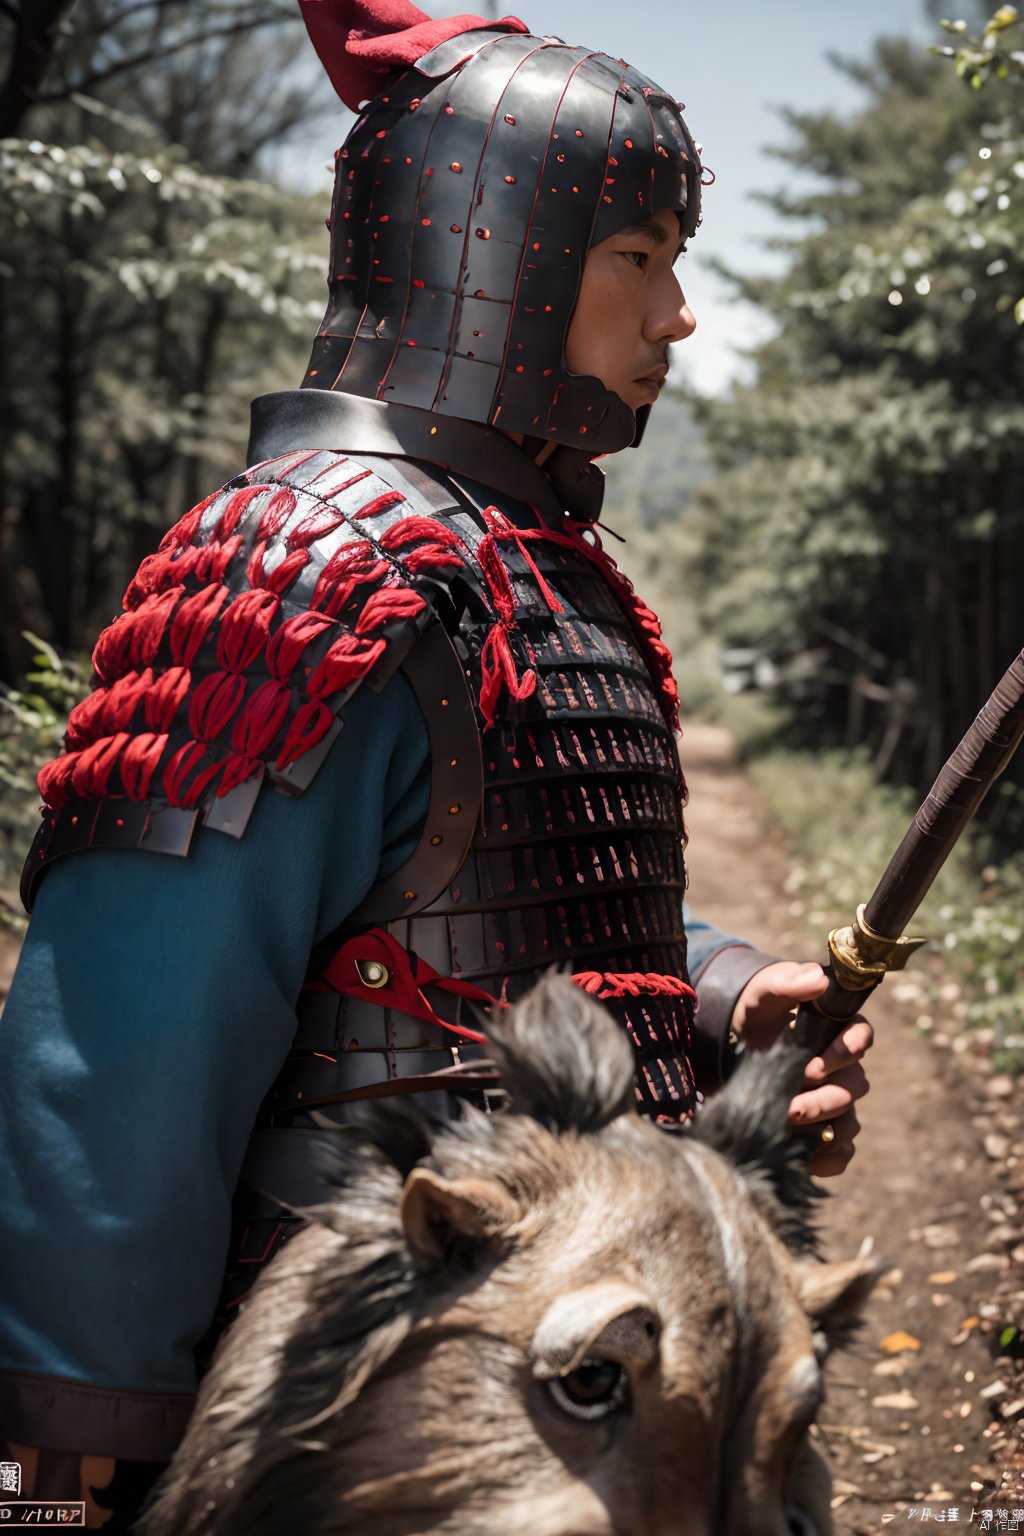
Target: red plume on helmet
[[360, 42]]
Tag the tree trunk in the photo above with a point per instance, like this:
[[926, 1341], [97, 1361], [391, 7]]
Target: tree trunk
[[35, 43]]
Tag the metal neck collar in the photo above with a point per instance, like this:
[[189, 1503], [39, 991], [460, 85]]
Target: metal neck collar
[[321, 418]]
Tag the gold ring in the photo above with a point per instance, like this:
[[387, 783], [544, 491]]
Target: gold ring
[[828, 1134]]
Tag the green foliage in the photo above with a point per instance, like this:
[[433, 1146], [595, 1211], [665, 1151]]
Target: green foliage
[[32, 723], [151, 282], [867, 516]]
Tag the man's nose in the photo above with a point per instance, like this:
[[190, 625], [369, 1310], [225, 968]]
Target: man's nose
[[673, 319]]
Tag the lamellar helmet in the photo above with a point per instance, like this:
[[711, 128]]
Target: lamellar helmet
[[483, 166]]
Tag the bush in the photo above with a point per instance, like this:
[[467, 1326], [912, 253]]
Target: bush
[[32, 723]]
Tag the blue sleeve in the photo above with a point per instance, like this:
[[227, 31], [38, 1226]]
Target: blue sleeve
[[703, 940], [150, 1012]]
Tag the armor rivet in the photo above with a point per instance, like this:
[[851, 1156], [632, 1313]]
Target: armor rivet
[[433, 431], [628, 143], [456, 166], [510, 181], [444, 703], [456, 229], [483, 234], [409, 895], [454, 763], [453, 810], [372, 973], [510, 119], [436, 840]]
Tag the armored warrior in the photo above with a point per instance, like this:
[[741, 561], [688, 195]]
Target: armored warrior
[[393, 730]]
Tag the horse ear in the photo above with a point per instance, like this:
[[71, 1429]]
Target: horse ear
[[832, 1295], [448, 1221]]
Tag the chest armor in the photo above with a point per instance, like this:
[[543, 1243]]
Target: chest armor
[[551, 686]]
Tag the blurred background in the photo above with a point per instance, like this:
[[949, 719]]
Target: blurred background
[[827, 510]]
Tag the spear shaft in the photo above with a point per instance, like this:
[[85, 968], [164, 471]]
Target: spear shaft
[[862, 954]]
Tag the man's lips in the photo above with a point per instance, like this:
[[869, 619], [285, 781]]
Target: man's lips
[[655, 376]]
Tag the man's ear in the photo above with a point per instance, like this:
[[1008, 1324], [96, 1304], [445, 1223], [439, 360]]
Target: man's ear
[[448, 1221]]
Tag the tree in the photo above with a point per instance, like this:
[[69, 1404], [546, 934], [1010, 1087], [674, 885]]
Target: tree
[[150, 283], [867, 511]]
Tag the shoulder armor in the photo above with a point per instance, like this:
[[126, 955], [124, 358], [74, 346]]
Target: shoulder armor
[[242, 640]]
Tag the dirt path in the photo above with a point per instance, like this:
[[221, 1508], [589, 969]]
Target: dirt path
[[915, 1427]]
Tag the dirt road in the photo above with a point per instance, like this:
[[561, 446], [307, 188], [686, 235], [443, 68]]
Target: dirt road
[[916, 1426]]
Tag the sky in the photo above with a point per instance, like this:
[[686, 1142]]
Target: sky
[[734, 63]]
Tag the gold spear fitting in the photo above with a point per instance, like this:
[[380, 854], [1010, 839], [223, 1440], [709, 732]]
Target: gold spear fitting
[[862, 958]]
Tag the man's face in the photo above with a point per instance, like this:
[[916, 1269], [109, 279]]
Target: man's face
[[629, 309]]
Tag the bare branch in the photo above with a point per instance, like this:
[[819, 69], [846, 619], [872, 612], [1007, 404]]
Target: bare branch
[[163, 51]]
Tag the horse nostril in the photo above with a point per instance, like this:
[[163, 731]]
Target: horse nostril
[[800, 1524]]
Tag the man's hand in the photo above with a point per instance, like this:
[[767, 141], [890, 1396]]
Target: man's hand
[[835, 1081]]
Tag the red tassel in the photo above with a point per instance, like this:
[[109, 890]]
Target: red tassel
[[110, 654], [289, 643], [235, 510], [263, 716], [244, 628], [124, 698], [387, 605], [498, 669], [167, 568], [165, 696], [348, 660], [316, 526], [608, 984], [310, 724], [149, 625], [185, 762], [278, 510], [213, 704], [54, 780], [282, 576], [215, 558], [139, 761], [380, 504], [186, 528], [94, 766], [236, 771], [84, 720], [192, 620], [418, 531]]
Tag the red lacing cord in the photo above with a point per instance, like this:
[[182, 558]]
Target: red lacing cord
[[608, 984], [499, 664]]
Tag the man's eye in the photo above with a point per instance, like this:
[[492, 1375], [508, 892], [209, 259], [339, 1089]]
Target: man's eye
[[638, 258]]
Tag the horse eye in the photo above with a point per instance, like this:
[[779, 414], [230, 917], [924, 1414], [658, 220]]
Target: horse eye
[[594, 1390]]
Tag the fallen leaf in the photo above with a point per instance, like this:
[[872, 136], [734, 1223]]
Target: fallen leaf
[[944, 1277], [984, 1262], [896, 1400], [940, 1235], [895, 1343], [970, 1322], [895, 1367], [1013, 1410], [994, 1389]]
